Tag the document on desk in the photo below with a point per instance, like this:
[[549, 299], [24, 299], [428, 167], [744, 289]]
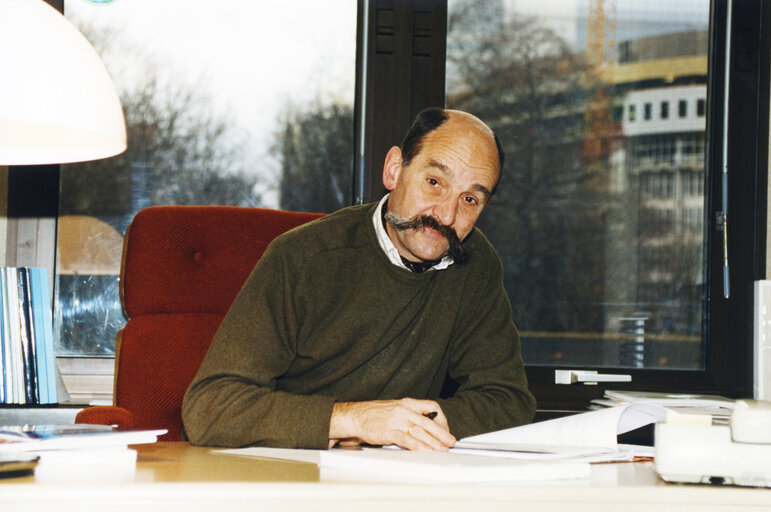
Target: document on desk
[[394, 465], [592, 436]]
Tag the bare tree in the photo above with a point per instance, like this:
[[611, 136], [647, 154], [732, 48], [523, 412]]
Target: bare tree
[[546, 219], [179, 152], [315, 150]]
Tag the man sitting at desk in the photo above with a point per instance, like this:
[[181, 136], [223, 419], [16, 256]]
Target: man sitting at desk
[[348, 326]]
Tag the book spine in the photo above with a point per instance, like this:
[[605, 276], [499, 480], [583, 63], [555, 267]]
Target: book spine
[[11, 297], [48, 329], [41, 306], [27, 337], [4, 375], [39, 335], [8, 352]]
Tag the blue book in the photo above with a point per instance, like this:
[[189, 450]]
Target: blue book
[[40, 346], [41, 307]]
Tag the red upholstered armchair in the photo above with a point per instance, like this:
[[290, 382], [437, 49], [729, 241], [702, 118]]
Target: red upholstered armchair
[[182, 267]]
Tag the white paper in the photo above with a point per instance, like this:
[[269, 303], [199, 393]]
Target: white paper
[[590, 430], [296, 455], [70, 437], [444, 467]]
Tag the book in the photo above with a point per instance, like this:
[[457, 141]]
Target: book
[[44, 342], [27, 359], [27, 336], [4, 351], [12, 335]]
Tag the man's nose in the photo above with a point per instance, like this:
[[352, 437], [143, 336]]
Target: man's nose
[[445, 211]]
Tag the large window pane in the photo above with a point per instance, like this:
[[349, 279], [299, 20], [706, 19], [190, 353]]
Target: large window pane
[[233, 102], [599, 218]]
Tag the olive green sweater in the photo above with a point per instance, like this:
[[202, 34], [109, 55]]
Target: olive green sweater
[[325, 317]]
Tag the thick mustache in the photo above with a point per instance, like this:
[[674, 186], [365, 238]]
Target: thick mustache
[[421, 221], [456, 251]]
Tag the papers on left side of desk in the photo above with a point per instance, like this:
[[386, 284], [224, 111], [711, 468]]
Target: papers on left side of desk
[[77, 452]]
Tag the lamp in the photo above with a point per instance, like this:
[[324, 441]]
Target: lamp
[[57, 101]]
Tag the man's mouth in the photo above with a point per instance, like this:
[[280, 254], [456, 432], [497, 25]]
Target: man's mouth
[[433, 228]]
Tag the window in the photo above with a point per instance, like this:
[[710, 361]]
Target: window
[[583, 272], [224, 105], [600, 225], [717, 358]]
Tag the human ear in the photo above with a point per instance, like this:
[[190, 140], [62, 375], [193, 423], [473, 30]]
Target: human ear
[[391, 167]]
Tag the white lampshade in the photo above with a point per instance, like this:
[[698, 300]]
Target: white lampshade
[[57, 101]]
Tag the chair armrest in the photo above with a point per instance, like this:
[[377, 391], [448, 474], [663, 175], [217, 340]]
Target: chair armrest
[[106, 415]]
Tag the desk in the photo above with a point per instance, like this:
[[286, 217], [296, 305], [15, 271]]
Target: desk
[[176, 476]]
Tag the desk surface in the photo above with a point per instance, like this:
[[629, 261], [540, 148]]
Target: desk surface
[[176, 476]]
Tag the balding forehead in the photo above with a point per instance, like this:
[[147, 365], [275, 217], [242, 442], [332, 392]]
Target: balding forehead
[[472, 120]]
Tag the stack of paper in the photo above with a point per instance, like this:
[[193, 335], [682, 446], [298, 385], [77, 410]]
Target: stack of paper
[[718, 407], [75, 452]]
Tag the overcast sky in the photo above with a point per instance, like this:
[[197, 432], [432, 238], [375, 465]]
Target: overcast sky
[[249, 56]]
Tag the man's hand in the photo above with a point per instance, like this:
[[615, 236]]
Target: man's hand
[[405, 423]]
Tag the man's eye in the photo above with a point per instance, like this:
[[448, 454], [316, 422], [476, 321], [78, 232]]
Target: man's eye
[[432, 182], [471, 200]]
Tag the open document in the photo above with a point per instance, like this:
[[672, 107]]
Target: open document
[[443, 467], [370, 464], [595, 436], [549, 450]]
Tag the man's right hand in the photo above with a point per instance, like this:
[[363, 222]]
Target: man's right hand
[[404, 423]]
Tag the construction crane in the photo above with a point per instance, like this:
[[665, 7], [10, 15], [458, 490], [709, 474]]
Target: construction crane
[[600, 62]]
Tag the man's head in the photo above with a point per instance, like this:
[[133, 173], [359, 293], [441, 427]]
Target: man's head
[[447, 169]]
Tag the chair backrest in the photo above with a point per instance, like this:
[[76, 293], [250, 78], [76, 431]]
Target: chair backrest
[[182, 267]]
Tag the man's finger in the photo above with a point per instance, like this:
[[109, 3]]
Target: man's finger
[[437, 430], [426, 439]]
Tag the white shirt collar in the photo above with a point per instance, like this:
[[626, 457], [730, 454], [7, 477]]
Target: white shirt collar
[[388, 246]]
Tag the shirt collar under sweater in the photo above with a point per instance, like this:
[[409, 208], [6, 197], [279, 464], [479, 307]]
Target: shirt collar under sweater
[[388, 246]]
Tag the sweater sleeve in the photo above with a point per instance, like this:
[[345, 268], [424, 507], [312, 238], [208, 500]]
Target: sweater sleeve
[[486, 363], [233, 400]]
